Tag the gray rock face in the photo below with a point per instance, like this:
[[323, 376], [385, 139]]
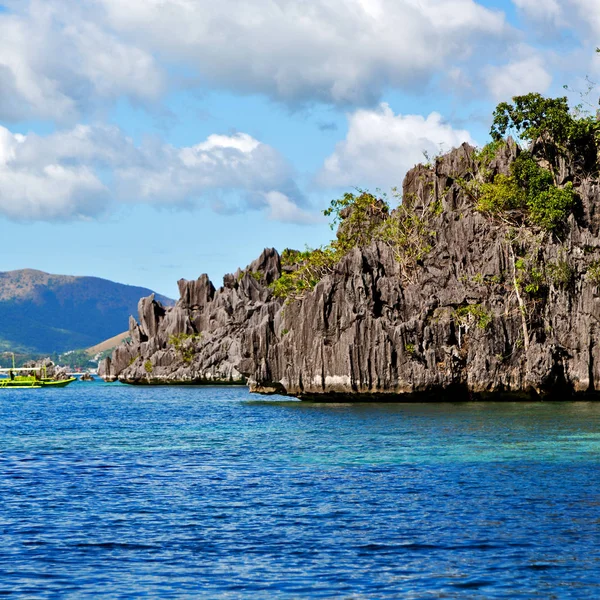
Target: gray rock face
[[198, 340], [458, 323], [51, 370]]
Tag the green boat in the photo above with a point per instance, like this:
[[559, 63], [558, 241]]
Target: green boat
[[60, 383], [16, 385], [14, 381], [10, 378]]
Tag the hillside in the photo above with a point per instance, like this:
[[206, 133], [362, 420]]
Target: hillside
[[107, 345], [48, 313]]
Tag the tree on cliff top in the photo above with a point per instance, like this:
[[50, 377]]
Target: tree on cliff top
[[561, 147], [533, 116], [549, 124]]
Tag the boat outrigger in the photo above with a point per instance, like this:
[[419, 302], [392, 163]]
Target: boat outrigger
[[10, 378]]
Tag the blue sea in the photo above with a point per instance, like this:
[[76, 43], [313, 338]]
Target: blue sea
[[121, 492]]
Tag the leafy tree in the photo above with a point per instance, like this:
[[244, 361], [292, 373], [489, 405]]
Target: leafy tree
[[501, 195], [410, 235], [306, 269], [535, 186], [533, 116], [548, 122]]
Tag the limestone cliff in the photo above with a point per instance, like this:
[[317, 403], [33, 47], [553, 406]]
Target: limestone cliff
[[493, 306], [199, 339]]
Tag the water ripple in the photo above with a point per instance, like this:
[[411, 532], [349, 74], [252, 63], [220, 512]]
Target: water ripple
[[123, 492]]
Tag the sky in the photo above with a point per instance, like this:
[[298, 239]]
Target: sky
[[152, 140]]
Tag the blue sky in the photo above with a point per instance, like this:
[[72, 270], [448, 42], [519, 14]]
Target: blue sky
[[150, 140]]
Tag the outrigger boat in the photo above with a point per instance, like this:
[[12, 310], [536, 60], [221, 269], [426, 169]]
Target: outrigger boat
[[10, 378], [14, 381], [13, 384]]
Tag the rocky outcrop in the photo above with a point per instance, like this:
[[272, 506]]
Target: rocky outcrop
[[198, 341], [49, 369], [493, 308]]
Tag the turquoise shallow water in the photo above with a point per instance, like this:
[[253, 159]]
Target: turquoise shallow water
[[118, 492]]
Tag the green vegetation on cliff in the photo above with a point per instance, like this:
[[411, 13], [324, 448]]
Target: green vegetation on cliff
[[535, 189], [184, 343], [358, 216], [536, 193], [362, 219], [528, 192]]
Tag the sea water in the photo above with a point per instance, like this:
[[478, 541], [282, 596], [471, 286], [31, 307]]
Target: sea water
[[118, 492]]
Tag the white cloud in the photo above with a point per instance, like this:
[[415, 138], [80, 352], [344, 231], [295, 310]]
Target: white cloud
[[77, 173], [61, 59], [339, 51], [548, 10], [580, 15], [588, 12], [521, 76], [282, 209], [381, 147], [56, 63]]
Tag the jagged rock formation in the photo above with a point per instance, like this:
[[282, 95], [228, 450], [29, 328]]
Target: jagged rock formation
[[463, 320], [51, 370], [199, 339]]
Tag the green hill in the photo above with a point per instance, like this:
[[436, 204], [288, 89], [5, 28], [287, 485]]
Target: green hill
[[47, 313]]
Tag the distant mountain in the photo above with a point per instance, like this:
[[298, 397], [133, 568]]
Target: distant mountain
[[42, 313]]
